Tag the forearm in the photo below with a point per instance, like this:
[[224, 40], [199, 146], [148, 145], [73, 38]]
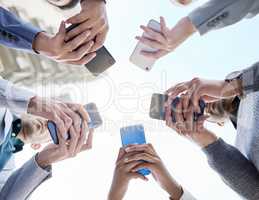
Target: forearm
[[215, 14], [236, 171], [24, 181], [117, 191], [183, 30]]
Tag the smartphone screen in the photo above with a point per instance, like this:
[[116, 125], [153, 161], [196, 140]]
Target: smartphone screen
[[139, 60], [134, 135], [96, 121]]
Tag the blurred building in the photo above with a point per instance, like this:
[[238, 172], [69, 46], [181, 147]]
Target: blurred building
[[31, 70]]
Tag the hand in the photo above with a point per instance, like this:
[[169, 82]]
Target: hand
[[122, 176], [92, 17], [153, 162], [208, 90], [64, 150], [77, 51], [66, 116], [168, 40], [187, 127]]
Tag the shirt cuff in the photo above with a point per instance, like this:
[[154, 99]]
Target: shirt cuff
[[197, 22], [187, 195], [250, 79], [213, 148], [17, 99], [29, 34]]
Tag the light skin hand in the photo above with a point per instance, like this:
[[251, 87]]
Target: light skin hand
[[186, 126], [66, 116], [208, 90], [122, 176], [168, 39], [92, 17], [153, 162], [55, 153], [77, 51]]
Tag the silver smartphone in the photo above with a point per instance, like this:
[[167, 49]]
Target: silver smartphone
[[139, 60]]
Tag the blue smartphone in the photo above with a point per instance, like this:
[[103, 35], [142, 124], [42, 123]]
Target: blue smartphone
[[134, 135], [95, 122]]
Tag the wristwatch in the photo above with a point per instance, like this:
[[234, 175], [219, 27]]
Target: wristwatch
[[237, 75], [235, 78]]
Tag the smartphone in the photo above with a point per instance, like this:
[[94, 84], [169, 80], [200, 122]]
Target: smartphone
[[96, 121], [101, 62], [134, 135], [157, 107], [139, 60]]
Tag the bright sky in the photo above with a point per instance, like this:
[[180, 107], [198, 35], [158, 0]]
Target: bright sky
[[123, 97]]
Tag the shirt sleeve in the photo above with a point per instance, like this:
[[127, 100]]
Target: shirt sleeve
[[24, 181], [16, 33], [14, 98], [250, 79], [216, 14], [187, 195], [234, 168]]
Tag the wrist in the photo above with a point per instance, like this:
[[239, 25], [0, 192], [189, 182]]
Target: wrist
[[177, 193], [42, 161], [41, 44], [32, 106], [118, 189], [188, 26], [204, 138]]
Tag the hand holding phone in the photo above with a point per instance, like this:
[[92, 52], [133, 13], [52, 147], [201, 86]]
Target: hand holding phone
[[140, 60], [101, 62], [157, 107], [95, 122], [134, 135]]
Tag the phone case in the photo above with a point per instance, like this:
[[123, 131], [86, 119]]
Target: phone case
[[139, 60], [134, 135], [96, 121], [157, 107], [101, 62]]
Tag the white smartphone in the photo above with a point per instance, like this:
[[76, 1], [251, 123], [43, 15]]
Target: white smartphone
[[139, 60]]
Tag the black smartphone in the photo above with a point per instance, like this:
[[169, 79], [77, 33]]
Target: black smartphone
[[157, 107], [101, 62]]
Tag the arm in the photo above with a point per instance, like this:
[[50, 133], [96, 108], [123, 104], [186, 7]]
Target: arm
[[24, 181], [234, 168], [217, 14], [16, 33], [212, 15]]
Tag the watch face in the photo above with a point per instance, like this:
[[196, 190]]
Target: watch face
[[234, 75]]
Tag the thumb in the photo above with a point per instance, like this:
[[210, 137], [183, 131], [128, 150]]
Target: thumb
[[139, 176], [195, 100], [61, 34]]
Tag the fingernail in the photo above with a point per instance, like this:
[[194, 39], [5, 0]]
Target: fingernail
[[126, 160], [127, 149]]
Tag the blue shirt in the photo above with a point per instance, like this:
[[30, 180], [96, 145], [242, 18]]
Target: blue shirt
[[15, 33]]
